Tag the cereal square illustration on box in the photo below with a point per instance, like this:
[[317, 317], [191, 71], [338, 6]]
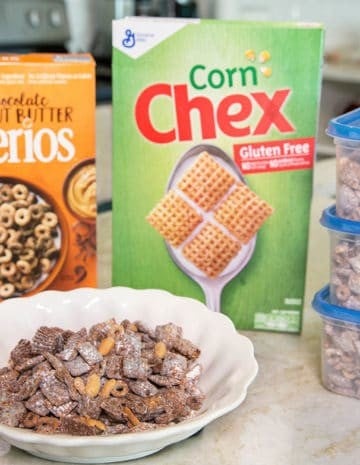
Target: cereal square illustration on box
[[213, 155]]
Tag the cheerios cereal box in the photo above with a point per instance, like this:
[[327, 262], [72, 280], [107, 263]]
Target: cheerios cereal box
[[214, 127], [47, 173]]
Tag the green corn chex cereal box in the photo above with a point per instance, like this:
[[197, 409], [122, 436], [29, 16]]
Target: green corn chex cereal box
[[214, 127]]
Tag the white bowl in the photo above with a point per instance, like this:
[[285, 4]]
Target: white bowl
[[227, 359]]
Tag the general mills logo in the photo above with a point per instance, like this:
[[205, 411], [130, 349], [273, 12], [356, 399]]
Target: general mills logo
[[129, 40]]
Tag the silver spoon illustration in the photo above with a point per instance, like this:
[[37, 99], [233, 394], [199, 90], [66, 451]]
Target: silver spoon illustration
[[212, 287]]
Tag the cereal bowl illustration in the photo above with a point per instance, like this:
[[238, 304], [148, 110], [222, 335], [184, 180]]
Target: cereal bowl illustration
[[33, 239], [80, 191], [209, 219]]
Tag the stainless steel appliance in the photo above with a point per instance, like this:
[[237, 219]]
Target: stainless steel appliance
[[90, 24], [33, 25]]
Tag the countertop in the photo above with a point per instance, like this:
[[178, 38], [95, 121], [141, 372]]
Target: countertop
[[288, 417]]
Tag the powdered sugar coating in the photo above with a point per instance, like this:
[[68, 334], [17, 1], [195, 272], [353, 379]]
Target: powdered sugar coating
[[114, 378]]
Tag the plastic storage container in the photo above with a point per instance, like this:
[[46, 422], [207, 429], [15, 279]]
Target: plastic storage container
[[340, 346], [345, 130], [344, 259]]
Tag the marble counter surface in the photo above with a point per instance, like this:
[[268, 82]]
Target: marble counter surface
[[288, 418]]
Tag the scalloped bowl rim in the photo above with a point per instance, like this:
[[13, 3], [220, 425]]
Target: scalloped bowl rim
[[185, 428]]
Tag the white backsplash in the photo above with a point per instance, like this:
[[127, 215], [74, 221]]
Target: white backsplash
[[341, 19]]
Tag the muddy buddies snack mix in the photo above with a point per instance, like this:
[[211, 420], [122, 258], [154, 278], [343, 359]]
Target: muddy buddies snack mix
[[339, 302], [345, 130], [348, 190], [341, 356], [113, 378], [340, 345], [344, 259]]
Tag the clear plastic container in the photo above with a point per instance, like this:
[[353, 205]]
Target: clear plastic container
[[344, 259], [345, 130], [340, 346]]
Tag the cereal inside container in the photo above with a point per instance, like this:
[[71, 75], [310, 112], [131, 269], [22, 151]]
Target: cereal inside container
[[340, 346], [344, 259], [345, 130]]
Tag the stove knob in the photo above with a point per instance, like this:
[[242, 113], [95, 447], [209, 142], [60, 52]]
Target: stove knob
[[56, 19], [33, 17]]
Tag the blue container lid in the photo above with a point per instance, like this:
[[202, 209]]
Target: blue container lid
[[322, 305], [330, 220], [346, 126]]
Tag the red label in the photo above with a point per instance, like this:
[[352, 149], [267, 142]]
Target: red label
[[282, 155]]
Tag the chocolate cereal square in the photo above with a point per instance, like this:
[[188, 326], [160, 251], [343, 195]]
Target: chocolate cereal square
[[174, 218], [211, 250], [206, 182], [243, 213]]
